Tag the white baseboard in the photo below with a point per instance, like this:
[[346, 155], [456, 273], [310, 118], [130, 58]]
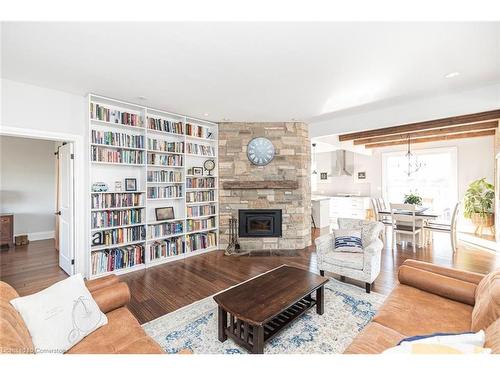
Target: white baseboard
[[37, 236]]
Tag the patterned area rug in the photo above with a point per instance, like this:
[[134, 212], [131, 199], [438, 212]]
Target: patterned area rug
[[347, 310]]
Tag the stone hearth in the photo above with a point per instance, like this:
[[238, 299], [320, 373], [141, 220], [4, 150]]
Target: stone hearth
[[283, 184]]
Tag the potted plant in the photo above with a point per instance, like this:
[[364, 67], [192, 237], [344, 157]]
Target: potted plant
[[478, 203], [413, 198]]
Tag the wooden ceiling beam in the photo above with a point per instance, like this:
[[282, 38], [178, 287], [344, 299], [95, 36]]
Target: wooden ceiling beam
[[424, 125], [427, 133], [447, 137]]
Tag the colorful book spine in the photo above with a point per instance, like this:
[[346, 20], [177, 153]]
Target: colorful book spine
[[203, 210], [200, 196], [122, 235], [199, 131], [166, 160], [166, 229], [99, 112], [164, 125], [108, 138], [104, 155], [116, 200], [166, 248], [200, 241], [115, 259], [103, 219], [197, 149], [201, 224], [164, 176], [155, 192], [165, 146], [200, 182]]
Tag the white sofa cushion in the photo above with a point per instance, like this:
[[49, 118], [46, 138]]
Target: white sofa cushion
[[344, 259], [60, 316]]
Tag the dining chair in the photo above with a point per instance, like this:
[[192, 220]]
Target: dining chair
[[376, 210], [405, 221], [448, 228]]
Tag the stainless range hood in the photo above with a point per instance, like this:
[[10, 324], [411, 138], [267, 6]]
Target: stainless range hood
[[342, 163]]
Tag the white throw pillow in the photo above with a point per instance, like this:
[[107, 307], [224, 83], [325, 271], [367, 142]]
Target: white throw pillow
[[347, 240], [61, 315]]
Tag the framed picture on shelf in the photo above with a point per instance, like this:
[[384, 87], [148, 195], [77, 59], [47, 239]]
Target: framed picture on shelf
[[118, 185], [164, 213], [197, 171], [130, 184]]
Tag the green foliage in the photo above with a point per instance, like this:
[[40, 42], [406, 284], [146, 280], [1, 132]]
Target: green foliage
[[413, 199], [479, 198]]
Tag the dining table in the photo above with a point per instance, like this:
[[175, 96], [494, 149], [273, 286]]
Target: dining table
[[424, 213]]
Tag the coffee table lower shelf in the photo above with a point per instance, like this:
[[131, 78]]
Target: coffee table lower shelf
[[252, 337]]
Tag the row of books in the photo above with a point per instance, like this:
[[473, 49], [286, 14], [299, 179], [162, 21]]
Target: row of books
[[117, 139], [116, 259], [117, 156], [165, 125], [122, 235], [166, 248], [103, 219], [194, 148], [199, 131], [200, 196], [164, 176], [166, 229], [199, 241], [166, 160], [200, 182], [174, 191], [201, 224], [116, 200], [202, 210], [99, 112], [160, 145]]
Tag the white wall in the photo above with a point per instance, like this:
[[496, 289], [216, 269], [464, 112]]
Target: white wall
[[27, 185], [38, 112], [430, 108]]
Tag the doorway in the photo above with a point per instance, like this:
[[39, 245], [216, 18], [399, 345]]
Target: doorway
[[37, 195]]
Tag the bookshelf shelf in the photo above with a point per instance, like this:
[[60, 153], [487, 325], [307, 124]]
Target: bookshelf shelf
[[118, 147], [138, 242], [105, 247], [117, 208], [116, 227], [118, 164]]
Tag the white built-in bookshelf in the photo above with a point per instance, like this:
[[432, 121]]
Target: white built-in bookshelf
[[165, 153]]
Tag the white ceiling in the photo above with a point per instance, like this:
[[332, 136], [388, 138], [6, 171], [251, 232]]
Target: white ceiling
[[253, 71]]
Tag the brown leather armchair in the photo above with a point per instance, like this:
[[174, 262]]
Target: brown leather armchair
[[431, 299], [122, 335]]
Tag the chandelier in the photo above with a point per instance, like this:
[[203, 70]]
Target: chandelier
[[413, 165], [315, 171]]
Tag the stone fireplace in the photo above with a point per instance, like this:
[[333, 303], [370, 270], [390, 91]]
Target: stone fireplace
[[273, 202]]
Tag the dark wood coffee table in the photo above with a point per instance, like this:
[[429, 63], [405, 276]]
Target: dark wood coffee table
[[255, 311]]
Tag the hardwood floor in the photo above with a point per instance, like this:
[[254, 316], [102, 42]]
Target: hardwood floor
[[32, 267], [165, 288]]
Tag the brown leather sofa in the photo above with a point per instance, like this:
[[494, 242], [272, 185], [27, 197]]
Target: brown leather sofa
[[431, 299], [122, 335]]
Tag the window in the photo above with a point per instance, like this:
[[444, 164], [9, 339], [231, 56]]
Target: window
[[435, 182]]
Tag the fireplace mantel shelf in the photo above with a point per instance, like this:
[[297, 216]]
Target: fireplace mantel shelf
[[282, 184]]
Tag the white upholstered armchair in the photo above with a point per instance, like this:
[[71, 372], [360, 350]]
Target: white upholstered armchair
[[364, 266]]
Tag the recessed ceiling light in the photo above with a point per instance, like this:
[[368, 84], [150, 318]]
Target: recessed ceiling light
[[205, 114], [140, 97], [452, 75]]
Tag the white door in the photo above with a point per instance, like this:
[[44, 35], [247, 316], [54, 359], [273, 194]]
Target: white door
[[66, 208]]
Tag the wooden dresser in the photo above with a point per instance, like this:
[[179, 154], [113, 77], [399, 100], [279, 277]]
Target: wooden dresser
[[7, 230]]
